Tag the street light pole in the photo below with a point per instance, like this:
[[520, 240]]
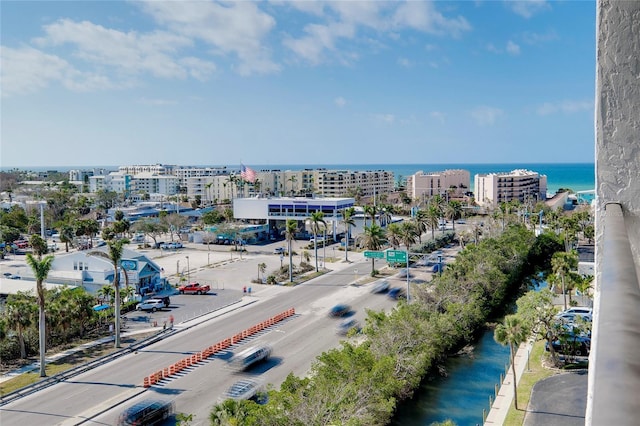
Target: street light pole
[[188, 271]]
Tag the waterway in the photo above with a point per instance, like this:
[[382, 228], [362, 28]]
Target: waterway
[[463, 393]]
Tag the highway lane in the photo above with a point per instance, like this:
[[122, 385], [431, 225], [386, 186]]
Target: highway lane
[[309, 333]]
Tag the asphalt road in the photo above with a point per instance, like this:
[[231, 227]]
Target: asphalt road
[[101, 394]]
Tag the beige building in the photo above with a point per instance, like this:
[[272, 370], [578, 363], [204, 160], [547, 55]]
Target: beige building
[[523, 185], [421, 185]]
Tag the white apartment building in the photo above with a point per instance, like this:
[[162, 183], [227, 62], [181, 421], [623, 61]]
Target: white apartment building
[[338, 183], [151, 183], [421, 185], [186, 173], [159, 169], [322, 182], [114, 181], [523, 185]]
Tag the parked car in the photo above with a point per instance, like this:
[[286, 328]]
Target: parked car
[[572, 345], [340, 310], [578, 310], [146, 412], [279, 250], [166, 300], [150, 305], [194, 288], [171, 246], [569, 318], [380, 287], [347, 325]]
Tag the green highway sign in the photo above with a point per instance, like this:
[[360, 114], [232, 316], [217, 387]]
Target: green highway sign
[[397, 256], [374, 254]]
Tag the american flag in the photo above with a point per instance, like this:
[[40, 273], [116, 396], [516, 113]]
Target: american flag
[[247, 173]]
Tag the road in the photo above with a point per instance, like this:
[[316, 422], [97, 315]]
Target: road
[[101, 394]]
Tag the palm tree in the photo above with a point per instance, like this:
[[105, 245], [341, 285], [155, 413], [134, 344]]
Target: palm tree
[[114, 248], [290, 234], [562, 263], [370, 210], [453, 212], [293, 180], [20, 312], [315, 220], [433, 218], [348, 221], [511, 332], [373, 239], [394, 235], [408, 234], [40, 267], [422, 222]]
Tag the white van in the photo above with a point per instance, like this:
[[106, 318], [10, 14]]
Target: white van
[[55, 238], [250, 356]]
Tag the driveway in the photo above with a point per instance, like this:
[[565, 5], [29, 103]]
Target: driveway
[[559, 400]]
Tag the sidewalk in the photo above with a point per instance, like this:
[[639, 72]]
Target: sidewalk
[[498, 413]]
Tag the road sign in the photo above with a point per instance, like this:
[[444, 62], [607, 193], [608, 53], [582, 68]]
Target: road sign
[[374, 254], [397, 256]]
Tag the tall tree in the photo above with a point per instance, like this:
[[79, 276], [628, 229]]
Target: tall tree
[[40, 267], [563, 263], [315, 220], [291, 227], [20, 313], [372, 239], [394, 235], [511, 332], [114, 254], [348, 221]]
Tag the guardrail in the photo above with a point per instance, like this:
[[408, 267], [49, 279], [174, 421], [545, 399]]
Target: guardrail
[[614, 367]]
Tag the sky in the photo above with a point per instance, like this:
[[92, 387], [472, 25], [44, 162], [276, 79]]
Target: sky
[[102, 83]]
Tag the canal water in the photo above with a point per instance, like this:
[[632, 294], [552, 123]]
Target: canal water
[[463, 393]]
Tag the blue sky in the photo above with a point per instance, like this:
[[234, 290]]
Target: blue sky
[[88, 83]]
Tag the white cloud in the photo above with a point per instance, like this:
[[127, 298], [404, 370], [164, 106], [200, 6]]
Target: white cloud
[[27, 70], [155, 102], [232, 28], [422, 16], [486, 115], [384, 118], [340, 101], [439, 116], [564, 107], [343, 20], [513, 48], [404, 62], [528, 8], [539, 38]]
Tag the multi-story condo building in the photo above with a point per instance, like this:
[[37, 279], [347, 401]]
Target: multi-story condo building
[[454, 183], [114, 181], [159, 169], [338, 183], [184, 174], [322, 182], [522, 185], [84, 175], [152, 183]]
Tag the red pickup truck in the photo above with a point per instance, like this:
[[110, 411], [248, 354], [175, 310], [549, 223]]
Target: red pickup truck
[[196, 288]]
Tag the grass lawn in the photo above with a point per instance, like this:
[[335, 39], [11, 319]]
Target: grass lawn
[[31, 377], [525, 383]]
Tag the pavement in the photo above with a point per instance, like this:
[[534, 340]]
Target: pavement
[[504, 399]]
